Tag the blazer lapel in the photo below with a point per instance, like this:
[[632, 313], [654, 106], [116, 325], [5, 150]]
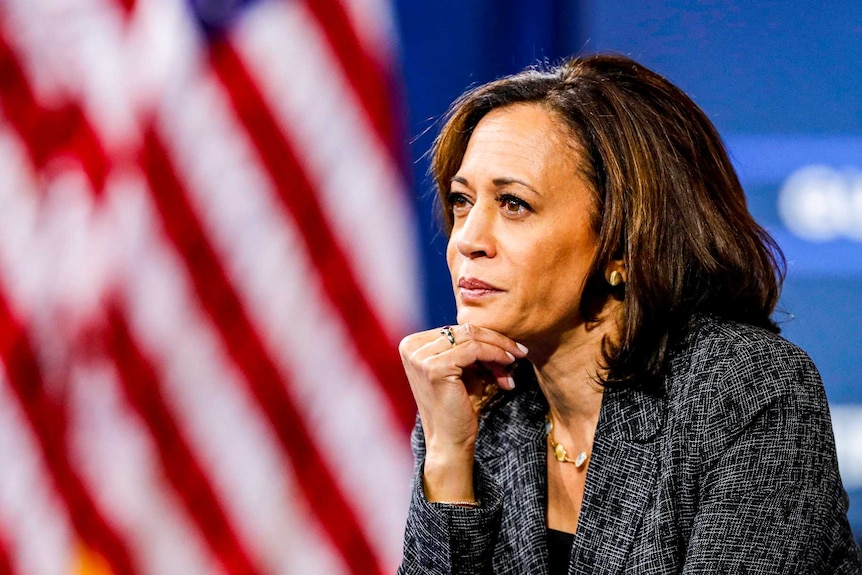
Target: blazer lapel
[[525, 518], [620, 481]]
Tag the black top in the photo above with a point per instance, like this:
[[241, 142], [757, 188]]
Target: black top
[[559, 551]]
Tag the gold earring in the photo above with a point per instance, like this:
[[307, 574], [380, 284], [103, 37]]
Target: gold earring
[[615, 279]]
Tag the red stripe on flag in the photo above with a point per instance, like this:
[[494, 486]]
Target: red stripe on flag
[[48, 421], [48, 134], [300, 199], [247, 351], [143, 390], [369, 80], [128, 6], [5, 561]]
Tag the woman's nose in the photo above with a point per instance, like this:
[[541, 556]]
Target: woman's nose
[[474, 237]]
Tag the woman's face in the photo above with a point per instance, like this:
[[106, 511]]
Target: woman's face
[[521, 245]]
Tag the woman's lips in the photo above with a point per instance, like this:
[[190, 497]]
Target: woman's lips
[[473, 290]]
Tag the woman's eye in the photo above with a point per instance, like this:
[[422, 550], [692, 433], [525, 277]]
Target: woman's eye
[[457, 201], [514, 205]]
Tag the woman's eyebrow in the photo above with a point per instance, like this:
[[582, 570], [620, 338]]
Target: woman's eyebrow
[[507, 181], [498, 182]]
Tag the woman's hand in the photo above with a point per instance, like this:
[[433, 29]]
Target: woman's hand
[[447, 381]]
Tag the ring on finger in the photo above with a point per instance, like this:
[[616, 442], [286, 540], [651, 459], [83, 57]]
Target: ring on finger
[[447, 331]]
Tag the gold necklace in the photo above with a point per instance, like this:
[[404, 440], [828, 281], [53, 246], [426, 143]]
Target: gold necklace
[[559, 451]]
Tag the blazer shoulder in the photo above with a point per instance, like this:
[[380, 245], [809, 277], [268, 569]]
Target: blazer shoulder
[[723, 348], [709, 336], [734, 371]]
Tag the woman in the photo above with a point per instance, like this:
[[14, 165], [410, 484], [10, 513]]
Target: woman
[[614, 398]]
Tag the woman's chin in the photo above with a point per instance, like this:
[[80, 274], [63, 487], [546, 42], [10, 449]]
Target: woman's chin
[[486, 321]]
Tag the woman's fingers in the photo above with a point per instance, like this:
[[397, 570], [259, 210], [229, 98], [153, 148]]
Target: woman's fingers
[[477, 377], [435, 341], [458, 364], [433, 353], [469, 332], [474, 351], [503, 376]]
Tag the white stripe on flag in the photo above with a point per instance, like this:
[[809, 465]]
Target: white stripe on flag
[[36, 49], [32, 517], [211, 402], [375, 26], [41, 244], [54, 252], [87, 38], [359, 186], [115, 68], [337, 396], [118, 460], [164, 48], [23, 261]]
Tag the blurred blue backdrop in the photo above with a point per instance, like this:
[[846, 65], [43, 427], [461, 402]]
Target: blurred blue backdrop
[[781, 81]]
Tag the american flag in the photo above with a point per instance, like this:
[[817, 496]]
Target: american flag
[[207, 257]]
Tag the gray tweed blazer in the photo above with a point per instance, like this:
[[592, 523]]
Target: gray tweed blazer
[[732, 471]]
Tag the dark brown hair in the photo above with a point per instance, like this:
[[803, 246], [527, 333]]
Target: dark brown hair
[[668, 203]]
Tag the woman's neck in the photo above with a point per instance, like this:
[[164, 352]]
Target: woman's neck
[[569, 374]]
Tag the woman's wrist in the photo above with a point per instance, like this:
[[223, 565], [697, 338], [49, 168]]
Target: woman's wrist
[[448, 476]]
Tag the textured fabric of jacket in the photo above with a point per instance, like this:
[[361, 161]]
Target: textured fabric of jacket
[[731, 470]]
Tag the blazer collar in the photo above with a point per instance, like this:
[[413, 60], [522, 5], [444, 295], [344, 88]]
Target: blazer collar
[[631, 415], [620, 480], [518, 419]]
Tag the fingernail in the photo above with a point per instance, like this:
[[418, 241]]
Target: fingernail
[[511, 381], [522, 347], [510, 356]]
